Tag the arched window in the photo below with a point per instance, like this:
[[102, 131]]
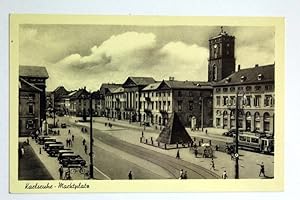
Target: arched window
[[248, 121], [257, 121], [225, 119], [266, 122], [215, 72]]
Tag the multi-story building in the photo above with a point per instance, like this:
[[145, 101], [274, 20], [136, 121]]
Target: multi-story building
[[106, 89], [29, 107], [159, 100], [256, 86], [37, 76], [132, 93]]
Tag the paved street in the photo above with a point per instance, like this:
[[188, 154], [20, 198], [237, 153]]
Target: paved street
[[117, 150]]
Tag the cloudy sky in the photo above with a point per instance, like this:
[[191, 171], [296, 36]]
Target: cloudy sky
[[88, 55]]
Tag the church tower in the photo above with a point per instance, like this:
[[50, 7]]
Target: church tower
[[221, 62]]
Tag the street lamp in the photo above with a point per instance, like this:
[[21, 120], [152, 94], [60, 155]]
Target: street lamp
[[237, 110], [91, 138]]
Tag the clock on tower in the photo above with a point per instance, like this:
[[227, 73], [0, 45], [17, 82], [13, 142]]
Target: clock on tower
[[221, 62]]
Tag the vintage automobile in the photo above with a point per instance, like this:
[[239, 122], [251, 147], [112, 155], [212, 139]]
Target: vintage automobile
[[53, 149], [46, 145], [41, 139], [71, 159], [64, 151], [63, 125]]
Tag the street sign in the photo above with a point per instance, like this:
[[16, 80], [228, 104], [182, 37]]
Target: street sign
[[236, 155]]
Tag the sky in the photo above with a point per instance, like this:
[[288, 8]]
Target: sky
[[88, 55]]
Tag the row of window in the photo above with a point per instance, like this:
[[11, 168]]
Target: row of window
[[245, 88], [248, 100]]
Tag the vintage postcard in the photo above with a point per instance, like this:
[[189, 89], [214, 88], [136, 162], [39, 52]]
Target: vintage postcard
[[146, 104]]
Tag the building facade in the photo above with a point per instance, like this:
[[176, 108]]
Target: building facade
[[29, 108], [256, 100], [159, 100], [37, 76]]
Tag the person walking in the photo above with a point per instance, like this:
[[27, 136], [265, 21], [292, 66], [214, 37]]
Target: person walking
[[85, 149], [178, 154], [184, 175], [224, 175], [69, 132], [130, 176], [196, 152], [67, 142], [181, 174], [212, 164], [73, 138], [61, 172], [83, 142], [22, 151], [262, 169]]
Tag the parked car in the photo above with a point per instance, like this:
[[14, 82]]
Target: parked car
[[229, 133], [41, 139], [63, 125], [46, 145], [53, 149], [64, 151], [71, 159]]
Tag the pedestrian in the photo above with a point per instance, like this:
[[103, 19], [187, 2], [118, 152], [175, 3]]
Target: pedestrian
[[58, 132], [142, 134], [217, 148], [130, 176], [83, 142], [224, 175], [27, 141], [206, 131], [212, 164], [22, 151], [69, 132], [68, 174], [184, 175], [177, 154], [72, 138], [85, 149], [70, 142], [85, 130], [61, 172], [262, 169], [82, 129], [181, 174], [40, 150]]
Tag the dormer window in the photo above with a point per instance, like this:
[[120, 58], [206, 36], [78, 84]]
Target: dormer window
[[227, 80], [243, 78], [260, 77]]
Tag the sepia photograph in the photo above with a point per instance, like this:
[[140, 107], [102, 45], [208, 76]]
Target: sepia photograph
[[136, 102]]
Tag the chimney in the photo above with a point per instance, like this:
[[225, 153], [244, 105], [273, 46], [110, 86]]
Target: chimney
[[171, 78], [239, 67], [84, 87], [256, 65]]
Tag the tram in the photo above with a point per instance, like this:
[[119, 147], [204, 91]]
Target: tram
[[261, 144]]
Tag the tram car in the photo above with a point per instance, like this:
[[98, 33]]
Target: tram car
[[261, 144]]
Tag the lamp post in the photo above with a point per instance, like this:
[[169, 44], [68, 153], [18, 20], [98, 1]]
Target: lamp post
[[91, 138], [237, 109]]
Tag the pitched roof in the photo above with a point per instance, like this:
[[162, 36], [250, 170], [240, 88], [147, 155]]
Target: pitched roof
[[26, 86], [96, 94], [152, 86], [118, 90], [174, 132], [139, 81], [188, 84], [33, 71], [78, 94], [254, 75], [108, 87]]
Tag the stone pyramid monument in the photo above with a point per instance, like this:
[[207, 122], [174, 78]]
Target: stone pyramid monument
[[174, 132]]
